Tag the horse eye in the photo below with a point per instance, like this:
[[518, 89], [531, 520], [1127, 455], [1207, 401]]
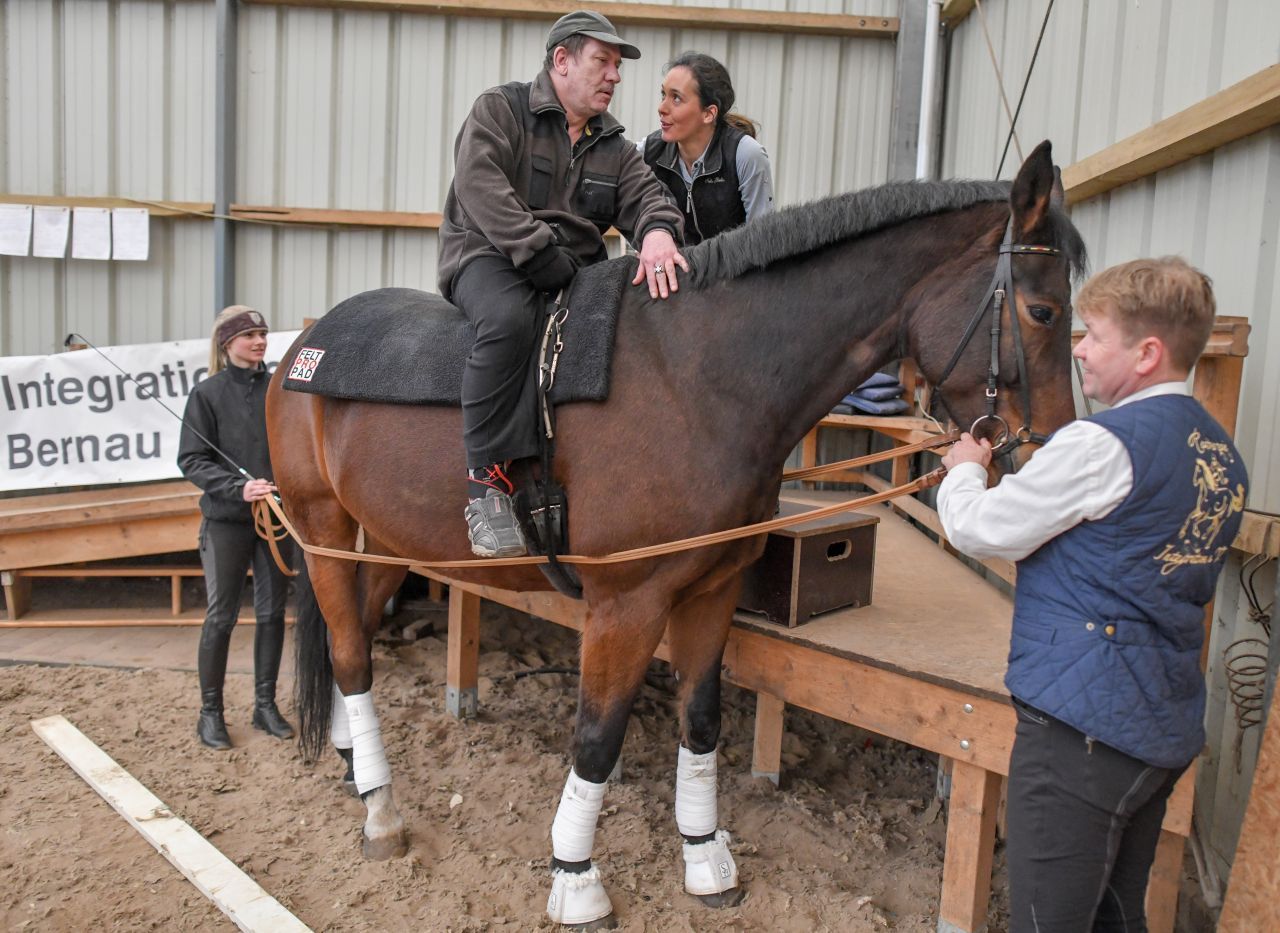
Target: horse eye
[[1041, 314]]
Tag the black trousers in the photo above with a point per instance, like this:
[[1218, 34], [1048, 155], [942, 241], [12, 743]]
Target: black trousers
[[1084, 820], [227, 549], [499, 410]]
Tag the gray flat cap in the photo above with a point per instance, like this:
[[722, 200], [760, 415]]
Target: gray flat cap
[[592, 24]]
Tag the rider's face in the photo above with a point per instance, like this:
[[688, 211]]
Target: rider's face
[[589, 78]]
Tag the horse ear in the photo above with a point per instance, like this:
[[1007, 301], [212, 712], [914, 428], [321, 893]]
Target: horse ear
[[1057, 194], [1032, 190]]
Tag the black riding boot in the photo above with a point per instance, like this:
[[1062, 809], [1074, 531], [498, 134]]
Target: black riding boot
[[268, 643], [212, 665]]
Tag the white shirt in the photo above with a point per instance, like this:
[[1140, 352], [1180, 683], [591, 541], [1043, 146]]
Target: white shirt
[[1081, 475]]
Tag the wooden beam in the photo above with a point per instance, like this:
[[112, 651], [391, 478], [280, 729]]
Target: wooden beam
[[1259, 534], [635, 14], [1238, 111], [233, 892], [766, 750], [971, 839]]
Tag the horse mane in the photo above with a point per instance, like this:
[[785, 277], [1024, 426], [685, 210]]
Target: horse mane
[[804, 228]]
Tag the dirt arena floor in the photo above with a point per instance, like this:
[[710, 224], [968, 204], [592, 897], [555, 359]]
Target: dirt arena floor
[[852, 841]]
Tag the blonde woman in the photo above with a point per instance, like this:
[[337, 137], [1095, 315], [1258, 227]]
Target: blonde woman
[[227, 411]]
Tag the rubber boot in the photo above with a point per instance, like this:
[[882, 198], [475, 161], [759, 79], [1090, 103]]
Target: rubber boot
[[212, 665], [268, 643]]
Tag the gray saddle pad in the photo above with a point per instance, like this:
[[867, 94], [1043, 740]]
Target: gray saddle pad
[[409, 347]]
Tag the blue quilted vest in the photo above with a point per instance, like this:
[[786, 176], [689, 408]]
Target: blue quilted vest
[[1108, 616]]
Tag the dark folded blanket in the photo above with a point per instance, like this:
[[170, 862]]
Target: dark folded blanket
[[406, 346]]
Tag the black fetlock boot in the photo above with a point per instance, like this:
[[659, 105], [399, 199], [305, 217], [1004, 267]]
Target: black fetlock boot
[[268, 643], [211, 661]]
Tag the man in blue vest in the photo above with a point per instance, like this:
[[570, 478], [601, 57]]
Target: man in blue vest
[[1120, 525]]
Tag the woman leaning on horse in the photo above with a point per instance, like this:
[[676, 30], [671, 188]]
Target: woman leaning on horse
[[706, 155], [225, 420]]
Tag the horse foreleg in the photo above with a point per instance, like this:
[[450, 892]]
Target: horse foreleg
[[351, 637], [696, 633], [617, 645]]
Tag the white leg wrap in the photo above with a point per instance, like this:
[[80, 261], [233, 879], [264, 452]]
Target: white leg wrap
[[339, 724], [578, 898], [696, 793], [574, 829], [371, 767], [709, 867]]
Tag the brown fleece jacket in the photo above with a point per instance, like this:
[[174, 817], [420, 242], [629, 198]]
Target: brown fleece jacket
[[493, 202]]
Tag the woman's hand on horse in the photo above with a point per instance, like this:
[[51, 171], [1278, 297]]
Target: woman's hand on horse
[[968, 450], [658, 260], [257, 489]]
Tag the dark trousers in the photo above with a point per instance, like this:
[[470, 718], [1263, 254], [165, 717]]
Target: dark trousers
[[227, 549], [1084, 820], [499, 414]]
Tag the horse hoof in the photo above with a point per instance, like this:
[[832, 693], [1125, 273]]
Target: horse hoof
[[604, 923], [379, 850], [731, 898]]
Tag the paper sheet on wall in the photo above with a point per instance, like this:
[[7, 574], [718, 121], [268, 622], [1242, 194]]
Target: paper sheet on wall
[[50, 226], [130, 233], [15, 229], [91, 233]]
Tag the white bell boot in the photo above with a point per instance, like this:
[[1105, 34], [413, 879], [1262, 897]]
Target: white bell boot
[[577, 897], [709, 867]]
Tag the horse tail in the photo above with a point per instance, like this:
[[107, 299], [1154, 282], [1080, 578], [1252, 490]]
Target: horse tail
[[313, 671]]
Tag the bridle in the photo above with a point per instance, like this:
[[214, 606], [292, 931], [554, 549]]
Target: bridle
[[1001, 288]]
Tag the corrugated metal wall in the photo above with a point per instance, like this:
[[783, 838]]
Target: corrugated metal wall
[[338, 109], [1107, 70]]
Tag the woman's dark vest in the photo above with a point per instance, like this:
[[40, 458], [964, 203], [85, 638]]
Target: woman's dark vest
[[713, 204]]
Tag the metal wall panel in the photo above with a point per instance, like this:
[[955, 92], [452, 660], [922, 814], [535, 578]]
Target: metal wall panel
[[1136, 64], [101, 99], [339, 109]]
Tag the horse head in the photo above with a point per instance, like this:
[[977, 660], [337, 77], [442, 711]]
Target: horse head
[[1022, 266]]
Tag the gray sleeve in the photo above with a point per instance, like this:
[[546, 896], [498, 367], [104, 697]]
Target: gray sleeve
[[755, 179]]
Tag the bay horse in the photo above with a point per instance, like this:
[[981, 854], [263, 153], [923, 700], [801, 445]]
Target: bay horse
[[710, 392]]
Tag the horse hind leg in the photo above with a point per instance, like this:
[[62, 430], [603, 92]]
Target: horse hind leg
[[344, 602], [617, 645], [696, 632]]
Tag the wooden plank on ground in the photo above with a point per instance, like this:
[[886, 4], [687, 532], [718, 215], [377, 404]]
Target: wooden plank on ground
[[236, 894]]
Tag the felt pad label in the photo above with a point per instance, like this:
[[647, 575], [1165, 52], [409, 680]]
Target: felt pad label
[[305, 364]]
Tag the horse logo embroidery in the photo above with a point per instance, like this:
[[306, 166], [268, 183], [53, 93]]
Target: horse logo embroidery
[[1215, 503]]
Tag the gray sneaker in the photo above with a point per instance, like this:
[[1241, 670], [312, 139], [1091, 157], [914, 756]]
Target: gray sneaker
[[493, 528]]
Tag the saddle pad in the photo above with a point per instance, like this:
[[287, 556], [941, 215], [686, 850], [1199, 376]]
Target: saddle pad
[[409, 347]]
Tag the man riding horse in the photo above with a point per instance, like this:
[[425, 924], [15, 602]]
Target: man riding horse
[[542, 172]]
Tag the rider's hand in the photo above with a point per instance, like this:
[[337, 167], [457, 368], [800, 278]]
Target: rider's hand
[[257, 489], [551, 268], [968, 450], [658, 260]]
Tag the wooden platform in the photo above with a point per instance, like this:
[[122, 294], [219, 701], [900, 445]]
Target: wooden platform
[[923, 665], [167, 647]]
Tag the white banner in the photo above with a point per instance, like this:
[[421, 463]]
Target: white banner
[[73, 419]]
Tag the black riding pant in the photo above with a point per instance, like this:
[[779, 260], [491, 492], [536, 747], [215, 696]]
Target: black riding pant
[[227, 549], [1084, 820], [499, 411]]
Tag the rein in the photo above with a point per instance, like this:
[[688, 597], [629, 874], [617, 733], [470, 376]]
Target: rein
[[1000, 289], [264, 510]]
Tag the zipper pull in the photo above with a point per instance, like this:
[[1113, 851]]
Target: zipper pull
[[1088, 744]]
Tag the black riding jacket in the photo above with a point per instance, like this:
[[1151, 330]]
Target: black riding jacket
[[229, 409]]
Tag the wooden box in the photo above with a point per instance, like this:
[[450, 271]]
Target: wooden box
[[812, 568]]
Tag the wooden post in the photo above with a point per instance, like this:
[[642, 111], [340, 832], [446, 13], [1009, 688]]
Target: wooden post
[[17, 593], [175, 590], [971, 833], [809, 453], [435, 591], [1165, 879], [462, 670], [766, 754]]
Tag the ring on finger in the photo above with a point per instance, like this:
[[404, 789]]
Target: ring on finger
[[657, 269]]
